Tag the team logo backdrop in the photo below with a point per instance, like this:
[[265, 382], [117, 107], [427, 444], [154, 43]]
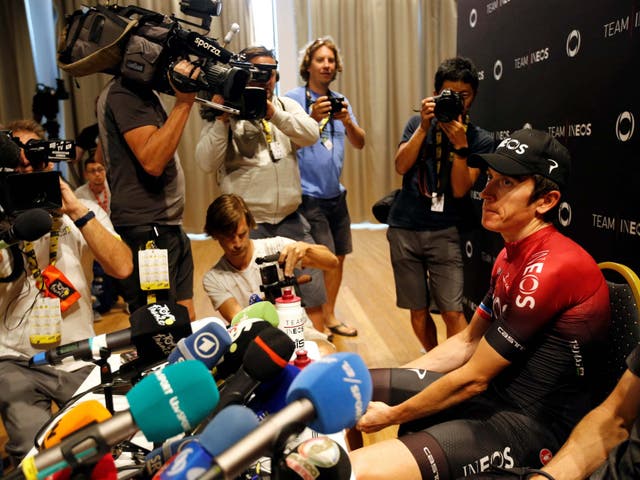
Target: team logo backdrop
[[567, 68]]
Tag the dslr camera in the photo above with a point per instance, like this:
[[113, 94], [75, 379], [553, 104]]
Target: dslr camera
[[449, 105], [25, 191], [336, 104], [273, 279]]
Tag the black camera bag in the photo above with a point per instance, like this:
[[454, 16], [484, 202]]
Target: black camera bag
[[143, 52], [93, 41]]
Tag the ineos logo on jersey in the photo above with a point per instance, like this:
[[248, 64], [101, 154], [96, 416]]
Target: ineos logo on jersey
[[207, 345], [497, 70], [529, 281], [473, 17], [573, 43], [468, 249], [625, 125], [513, 145], [499, 458]]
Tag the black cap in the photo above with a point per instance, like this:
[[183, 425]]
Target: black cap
[[528, 152]]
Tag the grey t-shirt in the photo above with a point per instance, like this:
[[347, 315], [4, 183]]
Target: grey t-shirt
[[137, 198]]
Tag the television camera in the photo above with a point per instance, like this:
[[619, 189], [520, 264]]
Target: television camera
[[273, 280]]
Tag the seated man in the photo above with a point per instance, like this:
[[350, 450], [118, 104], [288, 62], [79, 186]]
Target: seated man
[[509, 388], [236, 276], [37, 317]]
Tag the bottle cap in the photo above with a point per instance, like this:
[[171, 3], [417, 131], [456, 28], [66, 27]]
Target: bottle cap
[[287, 296]]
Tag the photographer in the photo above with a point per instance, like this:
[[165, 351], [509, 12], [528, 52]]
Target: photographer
[[139, 142], [324, 198], [236, 276], [423, 222], [256, 159], [83, 233]]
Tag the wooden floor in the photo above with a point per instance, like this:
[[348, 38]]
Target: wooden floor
[[366, 301]]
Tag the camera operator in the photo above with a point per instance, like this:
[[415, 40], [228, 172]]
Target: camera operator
[[236, 276], [424, 219], [139, 142], [256, 159], [324, 198], [83, 232]]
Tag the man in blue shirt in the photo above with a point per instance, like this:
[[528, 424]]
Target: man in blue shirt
[[324, 201]]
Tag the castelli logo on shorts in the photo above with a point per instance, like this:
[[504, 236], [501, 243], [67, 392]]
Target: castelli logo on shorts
[[545, 456]]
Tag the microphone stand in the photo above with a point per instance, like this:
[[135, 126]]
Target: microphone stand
[[106, 377]]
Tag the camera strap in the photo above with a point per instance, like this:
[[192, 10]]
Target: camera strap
[[325, 120]]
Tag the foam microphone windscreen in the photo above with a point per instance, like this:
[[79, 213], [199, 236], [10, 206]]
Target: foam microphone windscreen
[[163, 403], [268, 354], [339, 387], [230, 425], [260, 310], [271, 396], [318, 458], [74, 419], [156, 329], [104, 469], [156, 458], [207, 345], [9, 152], [242, 334], [32, 224]]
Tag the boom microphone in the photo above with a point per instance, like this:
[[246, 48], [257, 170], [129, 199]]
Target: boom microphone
[[208, 345], [329, 395], [164, 403], [29, 225], [155, 330]]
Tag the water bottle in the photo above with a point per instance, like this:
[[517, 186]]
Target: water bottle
[[291, 315]]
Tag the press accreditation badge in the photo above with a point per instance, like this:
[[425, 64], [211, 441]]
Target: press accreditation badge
[[45, 322], [153, 268], [437, 203], [277, 152], [327, 143]]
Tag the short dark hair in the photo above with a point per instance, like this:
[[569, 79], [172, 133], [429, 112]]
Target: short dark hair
[[457, 69], [310, 50], [225, 213], [250, 53], [90, 160], [542, 186]]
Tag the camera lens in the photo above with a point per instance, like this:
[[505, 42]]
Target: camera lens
[[448, 107]]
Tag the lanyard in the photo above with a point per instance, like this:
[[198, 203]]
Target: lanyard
[[266, 128], [30, 253]]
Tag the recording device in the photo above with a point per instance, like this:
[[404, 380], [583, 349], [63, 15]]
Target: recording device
[[20, 192], [336, 104], [273, 280], [29, 226], [45, 104], [329, 395], [449, 105], [163, 404]]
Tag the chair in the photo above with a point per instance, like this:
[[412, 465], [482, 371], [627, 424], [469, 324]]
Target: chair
[[624, 296]]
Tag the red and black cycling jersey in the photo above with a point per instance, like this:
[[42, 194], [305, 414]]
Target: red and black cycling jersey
[[549, 307]]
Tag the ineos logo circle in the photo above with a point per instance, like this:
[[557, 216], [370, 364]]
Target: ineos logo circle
[[468, 249], [497, 69], [473, 17], [564, 214], [573, 43], [625, 126]]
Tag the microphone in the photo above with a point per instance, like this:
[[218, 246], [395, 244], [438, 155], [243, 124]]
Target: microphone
[[329, 395], [319, 458], [78, 416], [235, 28], [29, 225], [270, 396], [155, 460], [155, 330], [229, 426], [9, 152], [163, 404], [264, 359], [242, 334], [208, 345], [262, 310]]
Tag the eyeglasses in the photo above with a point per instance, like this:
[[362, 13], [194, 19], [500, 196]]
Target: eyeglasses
[[93, 171]]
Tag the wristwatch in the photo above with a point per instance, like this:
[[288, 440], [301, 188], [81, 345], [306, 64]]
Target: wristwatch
[[461, 152]]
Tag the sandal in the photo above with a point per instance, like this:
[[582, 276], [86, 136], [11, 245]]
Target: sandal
[[344, 330]]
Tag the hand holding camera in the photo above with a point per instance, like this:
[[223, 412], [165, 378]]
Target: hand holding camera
[[325, 105]]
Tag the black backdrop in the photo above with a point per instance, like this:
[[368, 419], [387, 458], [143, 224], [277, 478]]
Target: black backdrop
[[569, 68]]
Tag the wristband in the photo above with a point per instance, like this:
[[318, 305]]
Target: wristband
[[82, 221], [461, 152]]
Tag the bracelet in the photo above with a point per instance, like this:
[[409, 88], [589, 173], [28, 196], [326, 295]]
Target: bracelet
[[82, 221]]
